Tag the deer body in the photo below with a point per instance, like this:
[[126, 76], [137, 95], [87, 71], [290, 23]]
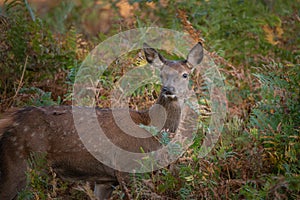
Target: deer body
[[51, 130]]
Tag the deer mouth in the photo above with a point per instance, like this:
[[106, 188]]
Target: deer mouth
[[170, 95]]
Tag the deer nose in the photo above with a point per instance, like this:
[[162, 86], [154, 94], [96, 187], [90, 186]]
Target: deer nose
[[167, 90]]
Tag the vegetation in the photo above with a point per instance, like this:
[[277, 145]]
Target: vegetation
[[256, 45]]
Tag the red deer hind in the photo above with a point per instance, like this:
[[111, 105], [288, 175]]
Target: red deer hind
[[51, 130]]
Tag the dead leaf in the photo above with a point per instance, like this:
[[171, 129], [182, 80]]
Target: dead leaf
[[126, 10], [272, 35]]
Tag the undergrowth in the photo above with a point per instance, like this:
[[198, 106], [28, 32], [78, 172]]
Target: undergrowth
[[257, 156]]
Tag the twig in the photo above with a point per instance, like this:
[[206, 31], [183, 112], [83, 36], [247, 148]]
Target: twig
[[122, 182], [21, 80]]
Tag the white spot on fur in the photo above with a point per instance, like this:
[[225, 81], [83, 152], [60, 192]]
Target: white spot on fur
[[16, 124], [21, 147], [19, 154], [26, 128], [32, 134], [13, 139]]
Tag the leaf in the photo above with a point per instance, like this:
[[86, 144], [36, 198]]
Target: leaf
[[126, 10], [189, 178], [273, 35]]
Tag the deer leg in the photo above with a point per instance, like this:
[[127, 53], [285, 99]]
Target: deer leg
[[103, 191], [124, 179], [12, 178]]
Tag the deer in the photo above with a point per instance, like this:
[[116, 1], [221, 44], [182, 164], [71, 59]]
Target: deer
[[51, 130]]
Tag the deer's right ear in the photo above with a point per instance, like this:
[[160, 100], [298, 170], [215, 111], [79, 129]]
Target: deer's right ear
[[195, 56], [153, 57]]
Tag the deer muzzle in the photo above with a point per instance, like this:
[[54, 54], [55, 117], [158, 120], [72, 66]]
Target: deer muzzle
[[169, 92]]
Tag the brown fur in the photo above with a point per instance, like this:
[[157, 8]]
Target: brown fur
[[51, 130], [6, 119]]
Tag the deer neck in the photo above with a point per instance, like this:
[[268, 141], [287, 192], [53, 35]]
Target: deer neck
[[172, 108]]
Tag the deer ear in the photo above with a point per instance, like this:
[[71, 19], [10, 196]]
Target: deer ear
[[153, 57], [195, 55]]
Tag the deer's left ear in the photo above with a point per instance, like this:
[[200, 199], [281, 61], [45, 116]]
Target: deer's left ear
[[195, 55]]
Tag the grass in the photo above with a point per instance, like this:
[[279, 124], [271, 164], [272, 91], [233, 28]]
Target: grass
[[255, 44]]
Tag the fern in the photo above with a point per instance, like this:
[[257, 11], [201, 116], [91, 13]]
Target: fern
[[27, 36], [277, 116]]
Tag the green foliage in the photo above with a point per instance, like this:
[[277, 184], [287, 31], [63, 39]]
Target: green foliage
[[257, 156], [57, 18], [37, 178], [274, 188], [43, 184], [237, 27], [264, 139], [40, 98], [277, 118], [32, 47]]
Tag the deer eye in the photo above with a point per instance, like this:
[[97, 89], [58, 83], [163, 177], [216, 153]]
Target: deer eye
[[185, 75]]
